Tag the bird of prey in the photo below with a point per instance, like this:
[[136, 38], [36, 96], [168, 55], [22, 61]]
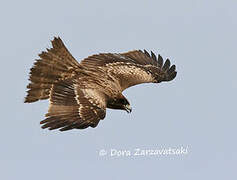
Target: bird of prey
[[79, 93]]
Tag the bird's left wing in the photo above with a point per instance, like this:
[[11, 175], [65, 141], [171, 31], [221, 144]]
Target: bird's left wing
[[72, 106], [133, 67]]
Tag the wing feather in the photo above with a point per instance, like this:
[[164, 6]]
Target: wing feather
[[160, 61]]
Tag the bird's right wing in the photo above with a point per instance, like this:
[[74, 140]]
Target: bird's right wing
[[133, 67]]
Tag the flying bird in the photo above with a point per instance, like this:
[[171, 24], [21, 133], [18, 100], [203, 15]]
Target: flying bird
[[79, 93]]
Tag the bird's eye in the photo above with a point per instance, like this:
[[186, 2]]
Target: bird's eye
[[123, 101]]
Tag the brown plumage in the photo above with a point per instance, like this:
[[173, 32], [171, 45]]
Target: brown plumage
[[79, 93]]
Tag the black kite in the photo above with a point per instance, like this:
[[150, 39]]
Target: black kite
[[79, 93]]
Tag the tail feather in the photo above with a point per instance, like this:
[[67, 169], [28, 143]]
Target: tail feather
[[54, 65]]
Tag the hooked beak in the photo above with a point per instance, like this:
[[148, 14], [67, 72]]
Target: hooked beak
[[128, 108]]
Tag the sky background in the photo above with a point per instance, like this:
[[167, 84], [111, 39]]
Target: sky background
[[196, 110]]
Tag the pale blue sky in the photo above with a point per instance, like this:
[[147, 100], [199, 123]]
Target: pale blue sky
[[197, 109]]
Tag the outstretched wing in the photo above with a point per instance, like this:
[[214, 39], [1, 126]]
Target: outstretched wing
[[72, 107], [133, 67]]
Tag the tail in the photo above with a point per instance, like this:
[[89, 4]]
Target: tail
[[54, 65]]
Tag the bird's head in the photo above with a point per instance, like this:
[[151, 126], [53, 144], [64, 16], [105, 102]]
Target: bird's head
[[120, 103], [125, 105]]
